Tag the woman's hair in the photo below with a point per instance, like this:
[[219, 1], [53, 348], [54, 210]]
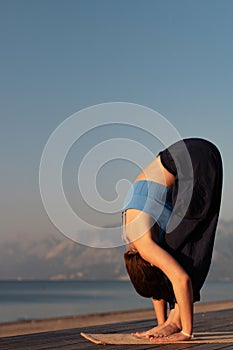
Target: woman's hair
[[149, 281]]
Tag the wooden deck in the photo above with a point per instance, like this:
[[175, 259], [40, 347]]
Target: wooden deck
[[70, 339]]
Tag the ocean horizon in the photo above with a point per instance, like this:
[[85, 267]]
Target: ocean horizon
[[23, 300]]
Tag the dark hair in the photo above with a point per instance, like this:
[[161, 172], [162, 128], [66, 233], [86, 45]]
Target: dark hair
[[149, 281]]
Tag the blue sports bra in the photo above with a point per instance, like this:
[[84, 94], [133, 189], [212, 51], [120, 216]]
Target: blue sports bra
[[152, 198]]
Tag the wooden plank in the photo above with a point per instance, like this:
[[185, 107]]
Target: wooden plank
[[71, 339]]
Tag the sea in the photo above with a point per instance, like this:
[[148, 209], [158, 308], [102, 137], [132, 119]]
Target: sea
[[29, 300]]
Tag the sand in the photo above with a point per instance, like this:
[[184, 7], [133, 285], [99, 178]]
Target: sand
[[46, 325]]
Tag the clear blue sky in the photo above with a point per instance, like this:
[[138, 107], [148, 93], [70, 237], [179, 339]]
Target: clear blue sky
[[57, 57]]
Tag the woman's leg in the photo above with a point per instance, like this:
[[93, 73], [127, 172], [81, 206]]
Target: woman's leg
[[160, 307]]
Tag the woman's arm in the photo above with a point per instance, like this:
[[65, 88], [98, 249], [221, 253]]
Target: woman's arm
[[180, 280], [160, 307]]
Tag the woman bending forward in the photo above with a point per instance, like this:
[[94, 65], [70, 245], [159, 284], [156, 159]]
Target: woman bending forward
[[169, 219]]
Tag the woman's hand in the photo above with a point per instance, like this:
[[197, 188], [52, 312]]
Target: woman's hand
[[172, 338]]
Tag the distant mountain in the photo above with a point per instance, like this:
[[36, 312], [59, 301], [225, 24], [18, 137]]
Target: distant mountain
[[54, 258], [222, 262], [58, 258]]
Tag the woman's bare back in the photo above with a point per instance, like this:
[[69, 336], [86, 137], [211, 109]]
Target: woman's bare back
[[156, 172]]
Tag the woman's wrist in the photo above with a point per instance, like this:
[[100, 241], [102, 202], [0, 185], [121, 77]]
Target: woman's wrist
[[187, 334]]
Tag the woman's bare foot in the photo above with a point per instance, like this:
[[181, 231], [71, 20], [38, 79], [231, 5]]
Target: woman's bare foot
[[156, 329], [150, 332], [166, 331], [171, 326]]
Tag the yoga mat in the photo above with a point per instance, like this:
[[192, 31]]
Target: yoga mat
[[127, 339]]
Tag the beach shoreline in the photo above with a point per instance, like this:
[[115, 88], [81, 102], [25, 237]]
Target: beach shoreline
[[61, 323]]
